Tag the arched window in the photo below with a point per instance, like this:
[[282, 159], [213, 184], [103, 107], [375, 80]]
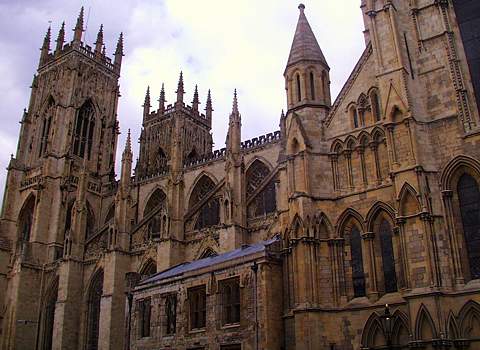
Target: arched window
[[93, 316], [46, 122], [156, 200], [358, 276], [49, 316], [375, 102], [354, 117], [84, 126], [25, 220], [388, 261], [469, 198], [90, 222], [299, 90], [208, 253], [265, 200], [312, 86], [149, 269], [209, 213]]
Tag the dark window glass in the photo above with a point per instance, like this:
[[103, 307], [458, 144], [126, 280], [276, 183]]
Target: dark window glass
[[358, 276], [171, 313], [145, 309], [388, 257], [26, 220], [265, 200], [209, 213], [84, 127], [50, 317], [312, 86], [355, 118], [299, 90], [94, 300], [231, 347], [198, 309], [468, 17], [376, 106], [231, 301], [469, 197]]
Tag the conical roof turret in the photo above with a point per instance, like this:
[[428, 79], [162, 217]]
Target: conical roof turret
[[305, 46]]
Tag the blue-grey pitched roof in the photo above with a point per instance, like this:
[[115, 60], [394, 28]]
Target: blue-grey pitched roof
[[181, 269]]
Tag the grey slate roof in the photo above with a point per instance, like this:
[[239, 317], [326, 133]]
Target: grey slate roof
[[304, 46], [181, 269]]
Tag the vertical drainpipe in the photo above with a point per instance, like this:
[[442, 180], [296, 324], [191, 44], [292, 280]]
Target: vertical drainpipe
[[254, 268]]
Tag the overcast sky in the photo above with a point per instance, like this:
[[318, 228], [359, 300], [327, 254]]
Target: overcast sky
[[219, 44]]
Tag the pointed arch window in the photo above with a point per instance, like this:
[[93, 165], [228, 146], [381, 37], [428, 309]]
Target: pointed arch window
[[209, 213], [93, 316], [375, 102], [354, 117], [156, 201], [83, 133], [265, 200], [358, 275], [299, 90], [469, 198], [312, 86], [26, 220], [388, 259], [46, 123]]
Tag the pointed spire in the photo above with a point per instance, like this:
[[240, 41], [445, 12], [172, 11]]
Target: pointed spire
[[118, 53], [305, 46], [46, 40], [180, 91], [60, 38], [208, 107], [161, 100], [104, 50], [128, 146], [99, 42], [235, 103], [45, 47], [77, 36], [195, 101], [146, 104]]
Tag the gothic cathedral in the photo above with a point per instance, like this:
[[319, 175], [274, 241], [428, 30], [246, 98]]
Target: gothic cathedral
[[354, 226]]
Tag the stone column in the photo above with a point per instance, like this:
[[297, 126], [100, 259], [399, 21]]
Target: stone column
[[368, 239]]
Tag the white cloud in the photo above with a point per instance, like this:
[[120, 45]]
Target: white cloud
[[220, 45]]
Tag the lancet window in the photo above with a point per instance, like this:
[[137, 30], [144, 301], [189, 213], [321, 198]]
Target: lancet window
[[209, 213], [265, 199], [26, 220], [46, 123], [93, 317], [84, 128], [358, 276], [388, 260]]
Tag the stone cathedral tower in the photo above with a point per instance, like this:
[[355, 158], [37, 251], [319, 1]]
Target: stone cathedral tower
[[58, 180]]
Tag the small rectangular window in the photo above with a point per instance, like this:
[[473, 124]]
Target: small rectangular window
[[171, 314], [197, 298], [144, 308], [231, 347], [230, 293]]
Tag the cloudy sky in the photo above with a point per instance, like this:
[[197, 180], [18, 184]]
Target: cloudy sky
[[219, 44]]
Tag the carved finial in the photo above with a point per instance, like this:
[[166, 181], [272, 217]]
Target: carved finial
[[208, 106], [146, 103], [99, 42], [104, 50], [77, 36], [235, 103], [60, 38], [119, 53], [180, 91], [282, 115], [128, 144], [161, 100], [301, 7], [195, 101], [45, 48]]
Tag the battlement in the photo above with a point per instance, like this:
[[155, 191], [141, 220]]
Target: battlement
[[85, 50], [171, 108], [215, 155], [262, 140]]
